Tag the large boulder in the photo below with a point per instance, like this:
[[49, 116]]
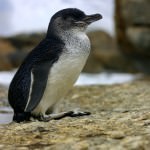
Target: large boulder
[[132, 19], [104, 54]]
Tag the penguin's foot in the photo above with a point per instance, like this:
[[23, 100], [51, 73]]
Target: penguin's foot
[[69, 114], [74, 113], [77, 113], [57, 116]]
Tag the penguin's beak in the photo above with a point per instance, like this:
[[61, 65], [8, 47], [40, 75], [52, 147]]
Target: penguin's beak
[[92, 18], [88, 19]]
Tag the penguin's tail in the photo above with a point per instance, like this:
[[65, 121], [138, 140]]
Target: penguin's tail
[[21, 116]]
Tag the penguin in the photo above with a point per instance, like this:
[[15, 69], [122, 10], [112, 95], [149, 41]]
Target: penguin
[[52, 67]]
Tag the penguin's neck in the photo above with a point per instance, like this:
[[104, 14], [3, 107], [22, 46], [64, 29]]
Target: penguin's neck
[[75, 41]]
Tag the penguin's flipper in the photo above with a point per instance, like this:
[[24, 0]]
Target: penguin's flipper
[[39, 76], [45, 55]]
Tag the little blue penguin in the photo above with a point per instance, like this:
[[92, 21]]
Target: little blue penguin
[[52, 67]]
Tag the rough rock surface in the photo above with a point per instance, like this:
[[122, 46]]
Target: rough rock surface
[[120, 120]]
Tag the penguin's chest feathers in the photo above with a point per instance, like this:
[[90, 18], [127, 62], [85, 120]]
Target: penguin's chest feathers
[[66, 70], [64, 73]]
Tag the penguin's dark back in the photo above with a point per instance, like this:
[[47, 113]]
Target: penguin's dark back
[[48, 51]]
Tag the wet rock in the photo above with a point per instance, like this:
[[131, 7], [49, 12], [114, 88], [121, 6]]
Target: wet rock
[[132, 32], [120, 120]]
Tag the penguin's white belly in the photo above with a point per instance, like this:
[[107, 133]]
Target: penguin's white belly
[[61, 78]]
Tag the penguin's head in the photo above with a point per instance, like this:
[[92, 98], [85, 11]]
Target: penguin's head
[[72, 19]]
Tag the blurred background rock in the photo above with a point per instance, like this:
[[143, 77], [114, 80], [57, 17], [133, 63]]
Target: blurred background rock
[[126, 50], [132, 20]]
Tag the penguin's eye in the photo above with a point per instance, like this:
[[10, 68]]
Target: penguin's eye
[[70, 19]]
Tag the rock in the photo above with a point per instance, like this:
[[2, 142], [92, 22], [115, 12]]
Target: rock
[[26, 42], [140, 39], [5, 48], [132, 20], [104, 55], [101, 45], [15, 48], [3, 96], [5, 63], [135, 12], [120, 120]]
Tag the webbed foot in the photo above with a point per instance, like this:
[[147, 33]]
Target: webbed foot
[[74, 113]]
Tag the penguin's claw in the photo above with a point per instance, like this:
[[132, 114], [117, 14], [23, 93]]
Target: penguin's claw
[[79, 113], [44, 118], [61, 115]]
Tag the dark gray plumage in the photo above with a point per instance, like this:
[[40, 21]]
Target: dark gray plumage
[[51, 68]]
